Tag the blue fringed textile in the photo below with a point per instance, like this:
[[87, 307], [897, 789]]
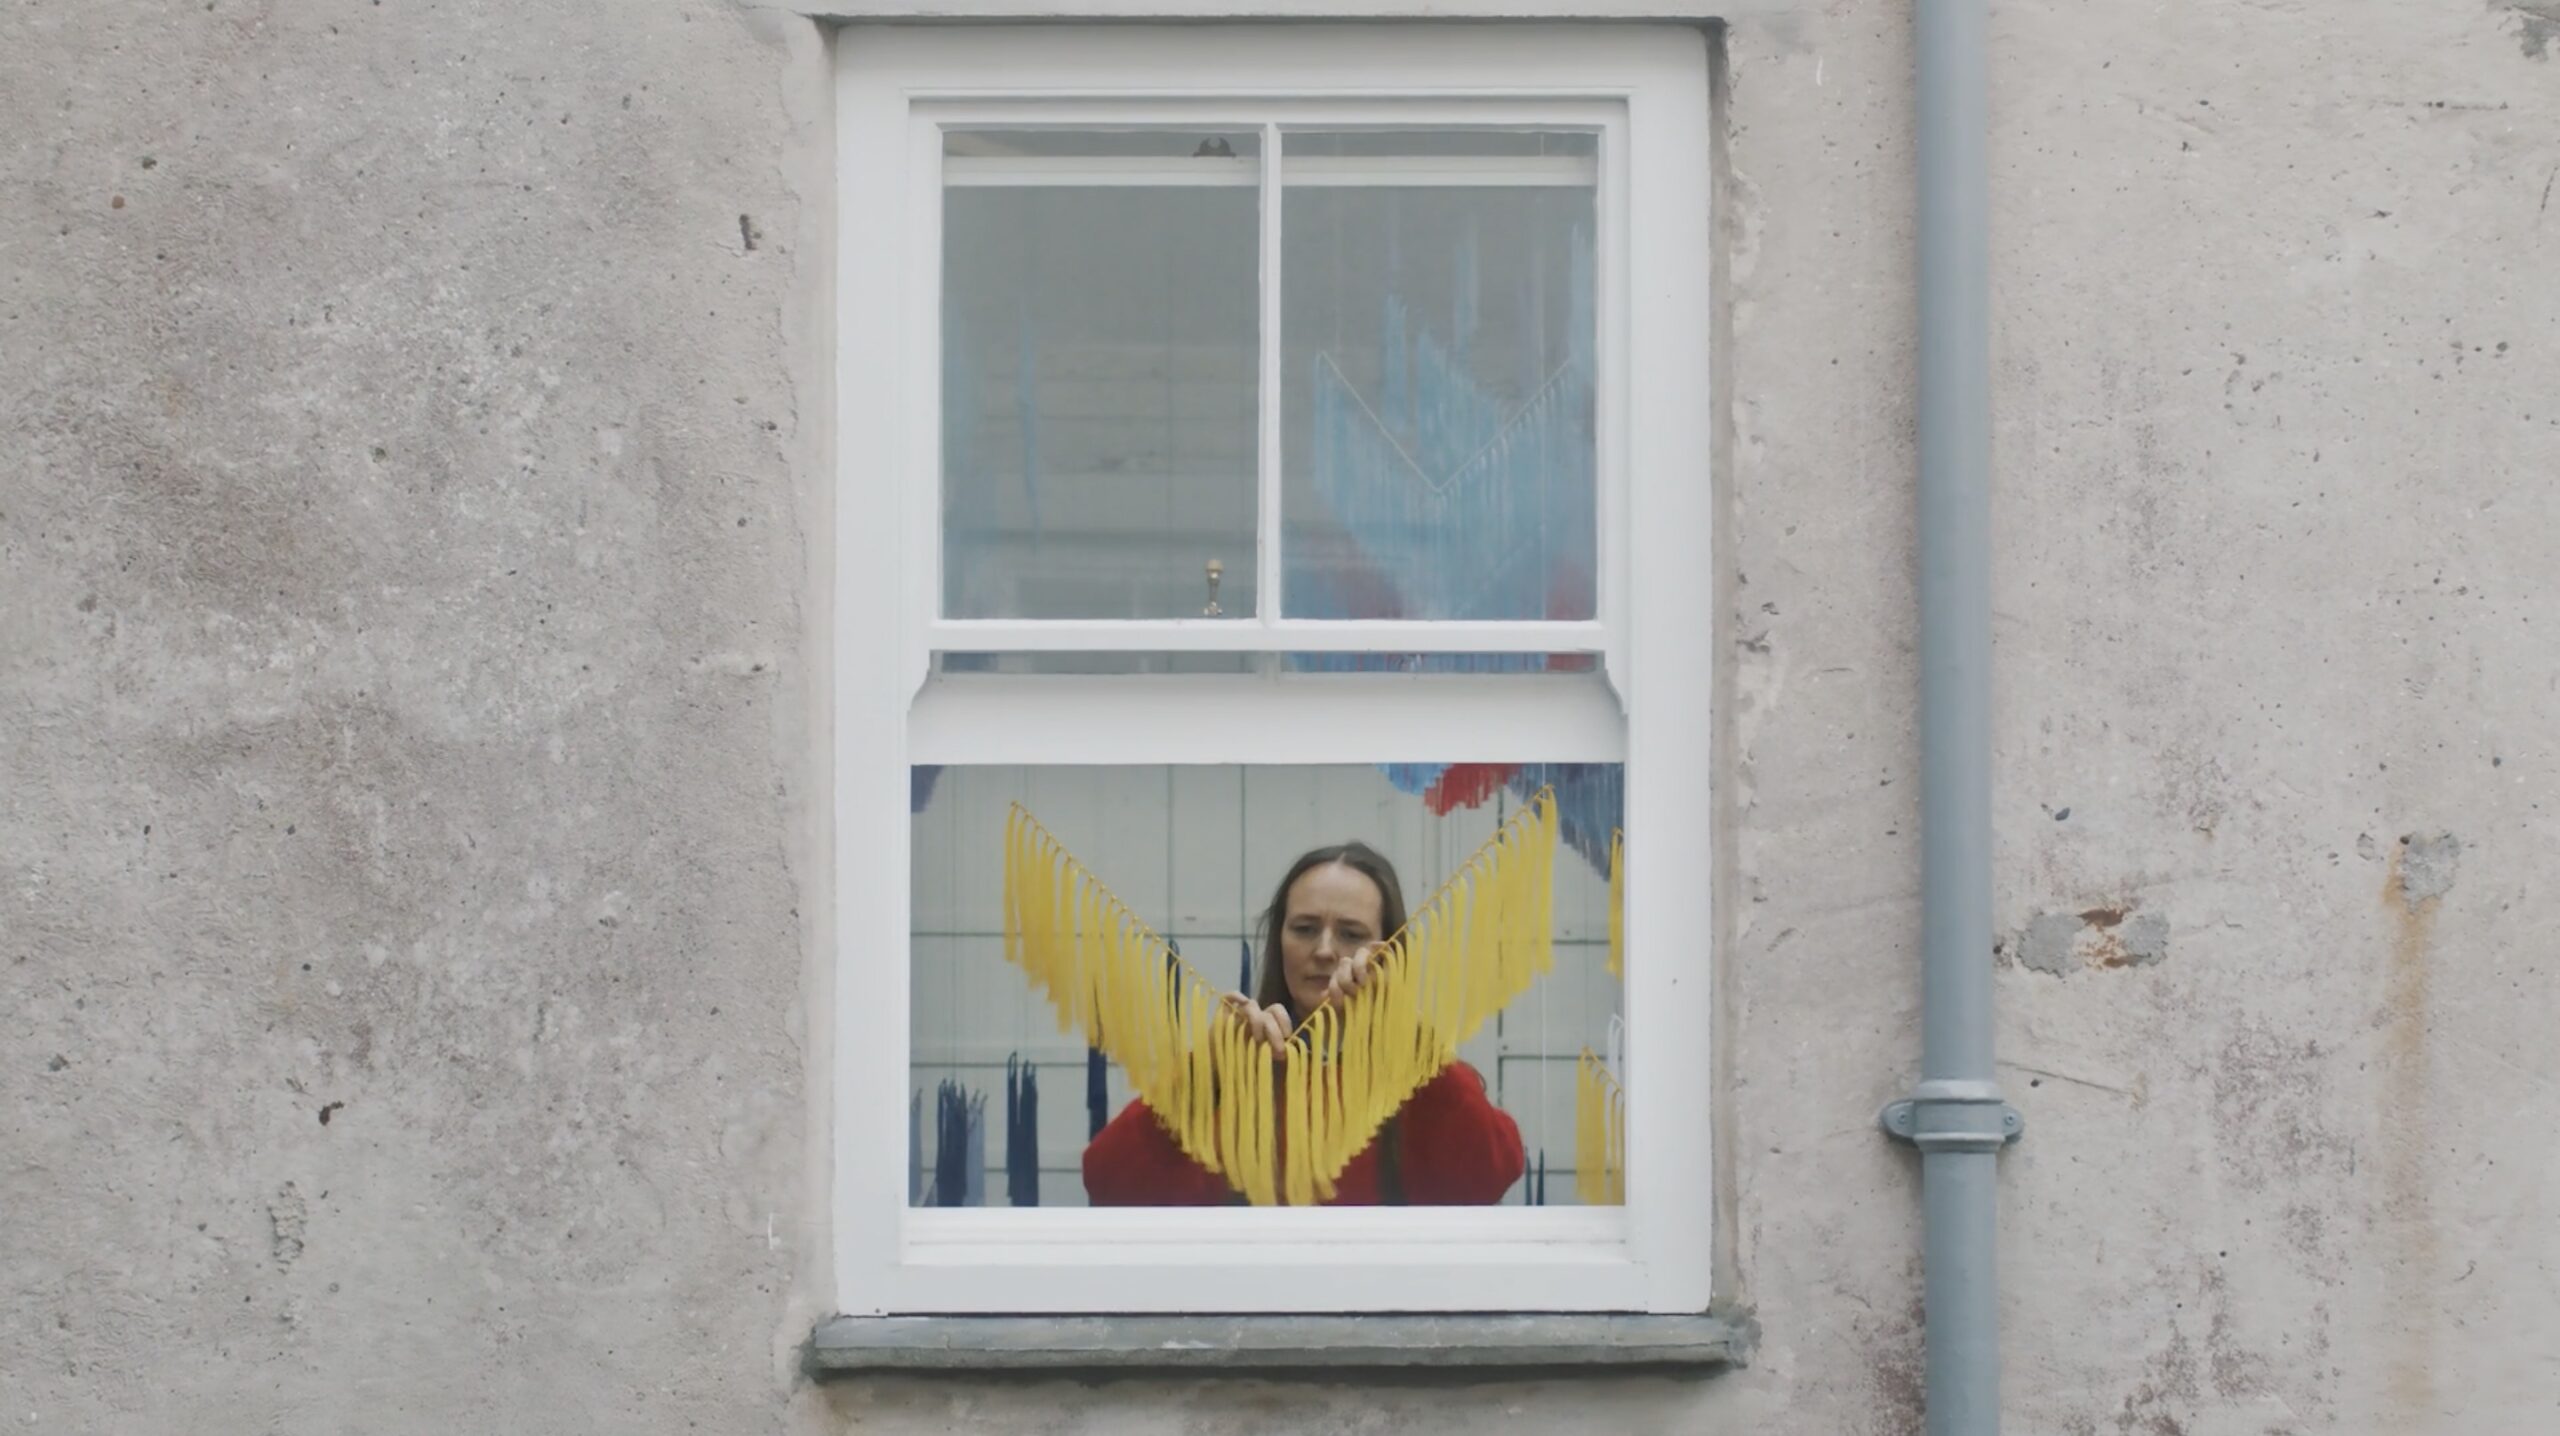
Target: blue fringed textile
[[1021, 1132], [1097, 1090]]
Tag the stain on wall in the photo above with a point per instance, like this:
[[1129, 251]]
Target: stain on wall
[[1897, 1368], [2420, 876], [287, 1217]]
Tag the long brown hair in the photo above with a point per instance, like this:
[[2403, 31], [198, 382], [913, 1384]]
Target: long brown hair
[[1273, 985]]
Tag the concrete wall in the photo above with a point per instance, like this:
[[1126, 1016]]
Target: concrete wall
[[413, 456]]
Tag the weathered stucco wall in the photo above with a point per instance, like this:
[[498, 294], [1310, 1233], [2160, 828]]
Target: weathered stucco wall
[[411, 449]]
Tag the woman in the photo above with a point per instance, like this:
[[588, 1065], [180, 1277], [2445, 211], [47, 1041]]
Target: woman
[[1447, 1146]]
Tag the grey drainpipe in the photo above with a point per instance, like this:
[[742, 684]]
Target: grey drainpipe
[[1956, 1116]]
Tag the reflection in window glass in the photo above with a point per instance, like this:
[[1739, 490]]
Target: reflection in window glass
[[1437, 322], [1432, 146], [1013, 1106], [1099, 375], [1070, 145]]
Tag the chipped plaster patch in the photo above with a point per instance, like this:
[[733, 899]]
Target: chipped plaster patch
[[2061, 943], [2540, 24]]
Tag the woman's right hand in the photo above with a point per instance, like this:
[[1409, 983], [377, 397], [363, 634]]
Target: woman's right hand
[[1269, 1025]]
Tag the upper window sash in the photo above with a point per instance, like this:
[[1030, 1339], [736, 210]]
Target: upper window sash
[[1268, 625]]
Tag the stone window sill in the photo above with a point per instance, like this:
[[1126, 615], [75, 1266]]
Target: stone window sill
[[1488, 1345], [855, 11]]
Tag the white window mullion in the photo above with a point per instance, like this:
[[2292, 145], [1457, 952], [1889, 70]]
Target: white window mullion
[[1190, 172]]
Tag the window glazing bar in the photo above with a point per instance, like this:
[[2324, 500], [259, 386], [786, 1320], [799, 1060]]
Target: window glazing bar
[[1303, 635], [1401, 171]]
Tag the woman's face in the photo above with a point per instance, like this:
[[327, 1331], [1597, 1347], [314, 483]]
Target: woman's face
[[1333, 912]]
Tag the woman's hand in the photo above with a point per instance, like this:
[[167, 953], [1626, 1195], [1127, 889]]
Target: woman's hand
[[1269, 1025], [1352, 974]]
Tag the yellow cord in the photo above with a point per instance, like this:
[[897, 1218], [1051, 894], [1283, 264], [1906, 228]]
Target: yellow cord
[[1282, 1129]]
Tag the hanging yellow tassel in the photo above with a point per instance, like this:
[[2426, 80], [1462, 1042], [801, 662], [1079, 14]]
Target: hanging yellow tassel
[[1282, 1129], [1600, 1105], [1599, 1134], [1617, 903]]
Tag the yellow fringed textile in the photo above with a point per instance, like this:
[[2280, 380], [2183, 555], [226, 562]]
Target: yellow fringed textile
[[1282, 1129], [1599, 1104], [1599, 1134]]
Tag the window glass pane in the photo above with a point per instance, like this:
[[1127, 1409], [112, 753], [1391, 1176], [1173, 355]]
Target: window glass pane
[[1442, 144], [1099, 389], [1438, 403], [1197, 855], [1070, 143]]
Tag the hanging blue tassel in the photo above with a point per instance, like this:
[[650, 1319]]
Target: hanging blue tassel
[[1591, 803], [960, 1151], [1021, 1132], [950, 1134], [1414, 779], [1244, 967], [1097, 1090], [1012, 1119], [973, 1148], [1030, 1136]]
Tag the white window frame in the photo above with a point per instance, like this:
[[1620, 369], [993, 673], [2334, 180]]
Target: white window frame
[[1646, 89]]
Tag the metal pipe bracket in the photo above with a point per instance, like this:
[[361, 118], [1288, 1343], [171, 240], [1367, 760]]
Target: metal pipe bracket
[[1951, 1115]]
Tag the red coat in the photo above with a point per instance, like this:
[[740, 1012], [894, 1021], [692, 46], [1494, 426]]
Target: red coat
[[1454, 1149]]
